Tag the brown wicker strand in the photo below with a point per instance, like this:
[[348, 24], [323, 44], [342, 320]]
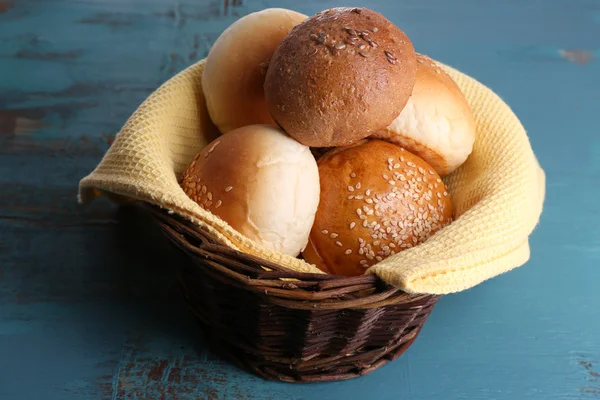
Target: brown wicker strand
[[289, 326]]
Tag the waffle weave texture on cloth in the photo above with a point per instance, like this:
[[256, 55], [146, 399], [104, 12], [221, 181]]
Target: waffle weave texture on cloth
[[498, 193]]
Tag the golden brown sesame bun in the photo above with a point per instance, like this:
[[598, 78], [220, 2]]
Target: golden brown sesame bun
[[437, 123], [340, 76], [261, 182], [235, 68], [376, 200]]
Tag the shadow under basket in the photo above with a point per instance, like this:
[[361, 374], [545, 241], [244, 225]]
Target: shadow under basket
[[289, 326]]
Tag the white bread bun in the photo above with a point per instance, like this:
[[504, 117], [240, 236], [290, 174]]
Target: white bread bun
[[236, 66], [376, 200], [436, 124], [261, 182]]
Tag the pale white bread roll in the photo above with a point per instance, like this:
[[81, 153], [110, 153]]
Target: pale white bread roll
[[236, 66], [261, 182], [437, 123]]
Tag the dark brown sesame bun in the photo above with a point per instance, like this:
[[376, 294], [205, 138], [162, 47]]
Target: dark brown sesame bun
[[340, 76], [437, 123], [376, 200], [261, 182], [236, 65]]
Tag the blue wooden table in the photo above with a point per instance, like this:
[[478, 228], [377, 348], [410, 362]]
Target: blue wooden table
[[86, 312]]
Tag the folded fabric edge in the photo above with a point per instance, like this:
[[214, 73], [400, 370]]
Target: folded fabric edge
[[456, 280], [121, 193]]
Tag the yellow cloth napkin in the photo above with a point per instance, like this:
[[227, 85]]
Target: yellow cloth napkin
[[498, 193]]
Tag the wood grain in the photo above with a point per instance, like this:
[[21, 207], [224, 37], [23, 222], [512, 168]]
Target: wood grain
[[86, 312]]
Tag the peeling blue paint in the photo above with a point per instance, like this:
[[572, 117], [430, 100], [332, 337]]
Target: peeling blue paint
[[86, 313]]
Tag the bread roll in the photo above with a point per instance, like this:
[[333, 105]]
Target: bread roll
[[235, 68], [376, 200], [261, 182], [437, 123], [340, 76]]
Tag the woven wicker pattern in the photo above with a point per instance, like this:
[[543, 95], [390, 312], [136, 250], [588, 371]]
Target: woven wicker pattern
[[291, 326]]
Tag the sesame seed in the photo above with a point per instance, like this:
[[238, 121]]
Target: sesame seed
[[362, 53], [402, 158], [378, 258], [361, 251], [334, 235], [350, 197], [445, 193], [209, 195], [439, 195], [324, 231], [218, 204], [438, 180], [339, 244], [369, 256], [391, 182], [374, 29], [352, 175], [365, 223], [385, 177], [364, 262], [362, 46], [369, 201], [340, 46], [377, 226], [350, 189], [390, 160], [431, 172], [359, 197], [348, 251], [359, 211], [421, 170], [352, 225], [209, 203], [376, 243], [368, 192], [370, 212], [214, 146], [204, 189], [228, 188]]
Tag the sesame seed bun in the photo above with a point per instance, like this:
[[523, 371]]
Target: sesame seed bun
[[376, 200], [236, 65], [261, 182], [437, 123], [340, 76]]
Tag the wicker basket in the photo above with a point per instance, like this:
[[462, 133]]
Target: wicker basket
[[290, 326]]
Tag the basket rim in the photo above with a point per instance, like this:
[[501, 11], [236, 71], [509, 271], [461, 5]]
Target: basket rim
[[282, 286]]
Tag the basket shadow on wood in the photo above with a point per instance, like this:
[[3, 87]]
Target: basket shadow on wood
[[288, 326]]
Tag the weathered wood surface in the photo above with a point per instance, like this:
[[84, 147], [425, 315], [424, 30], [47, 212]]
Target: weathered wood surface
[[86, 312]]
